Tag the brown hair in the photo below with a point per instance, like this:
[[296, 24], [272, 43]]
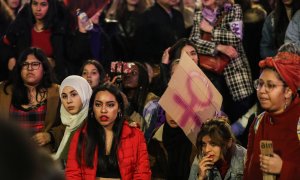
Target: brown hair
[[220, 133]]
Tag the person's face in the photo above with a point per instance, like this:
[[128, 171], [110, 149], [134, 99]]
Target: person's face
[[91, 74], [131, 80], [39, 9], [32, 71], [287, 2], [274, 99], [191, 52], [170, 121], [210, 149], [209, 4], [71, 100], [105, 109], [13, 4]]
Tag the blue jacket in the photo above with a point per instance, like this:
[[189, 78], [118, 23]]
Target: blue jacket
[[293, 30]]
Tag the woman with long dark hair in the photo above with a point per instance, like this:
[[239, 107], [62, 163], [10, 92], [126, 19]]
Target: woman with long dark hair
[[107, 147], [45, 24], [31, 99], [136, 87]]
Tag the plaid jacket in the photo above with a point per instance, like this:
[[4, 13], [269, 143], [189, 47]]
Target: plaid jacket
[[237, 73], [52, 118]]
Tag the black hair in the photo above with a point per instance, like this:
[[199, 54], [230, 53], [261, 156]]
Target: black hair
[[175, 51], [55, 15], [138, 101], [95, 133], [19, 90]]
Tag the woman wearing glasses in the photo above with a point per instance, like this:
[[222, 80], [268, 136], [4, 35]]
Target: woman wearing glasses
[[280, 123], [31, 99]]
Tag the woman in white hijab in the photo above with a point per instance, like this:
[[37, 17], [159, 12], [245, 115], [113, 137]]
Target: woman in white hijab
[[75, 93]]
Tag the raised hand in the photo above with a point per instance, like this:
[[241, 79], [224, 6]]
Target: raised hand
[[205, 164]]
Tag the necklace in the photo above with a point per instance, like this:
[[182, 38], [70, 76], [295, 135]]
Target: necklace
[[36, 97]]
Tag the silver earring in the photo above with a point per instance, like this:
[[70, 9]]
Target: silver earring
[[285, 105]]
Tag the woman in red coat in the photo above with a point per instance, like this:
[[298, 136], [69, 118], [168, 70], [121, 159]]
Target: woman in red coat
[[107, 147], [280, 123]]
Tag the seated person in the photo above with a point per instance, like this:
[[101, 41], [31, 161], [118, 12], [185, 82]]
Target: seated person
[[219, 156]]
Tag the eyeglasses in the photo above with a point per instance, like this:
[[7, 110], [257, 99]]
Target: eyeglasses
[[33, 65], [258, 84]]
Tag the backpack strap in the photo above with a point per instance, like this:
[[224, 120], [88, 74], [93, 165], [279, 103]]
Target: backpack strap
[[257, 121], [298, 129]]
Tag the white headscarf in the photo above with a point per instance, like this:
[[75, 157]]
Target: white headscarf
[[72, 122]]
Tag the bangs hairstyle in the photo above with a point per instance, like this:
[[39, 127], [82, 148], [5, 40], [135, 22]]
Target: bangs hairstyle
[[220, 133]]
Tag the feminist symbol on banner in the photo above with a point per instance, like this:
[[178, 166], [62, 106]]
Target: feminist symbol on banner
[[189, 113]]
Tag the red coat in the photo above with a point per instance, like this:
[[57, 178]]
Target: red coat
[[281, 129], [132, 157]]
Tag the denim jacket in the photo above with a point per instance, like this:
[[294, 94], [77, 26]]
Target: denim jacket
[[235, 171], [293, 31]]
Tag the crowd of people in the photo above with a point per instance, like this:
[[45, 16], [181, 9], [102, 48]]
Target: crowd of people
[[84, 103]]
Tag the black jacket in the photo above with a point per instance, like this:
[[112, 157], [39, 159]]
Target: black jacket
[[70, 48], [157, 31]]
